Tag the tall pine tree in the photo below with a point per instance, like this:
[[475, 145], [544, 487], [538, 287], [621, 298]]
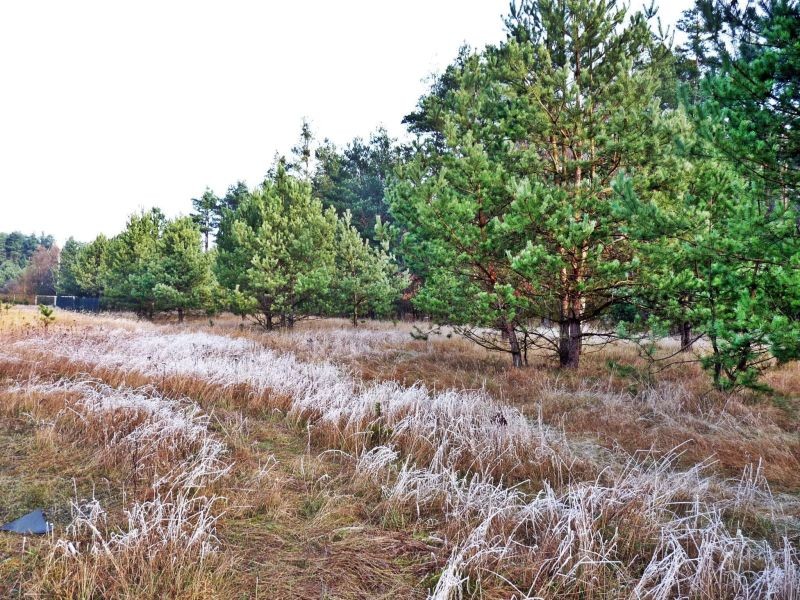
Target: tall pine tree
[[206, 215], [512, 205]]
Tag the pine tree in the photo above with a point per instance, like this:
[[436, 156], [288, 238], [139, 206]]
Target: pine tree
[[232, 198], [513, 207], [67, 280], [90, 268], [302, 152], [728, 265], [354, 179], [132, 258], [726, 269], [206, 214], [367, 280], [276, 249], [184, 277], [754, 93], [46, 315]]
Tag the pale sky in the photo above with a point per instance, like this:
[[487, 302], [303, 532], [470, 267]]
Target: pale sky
[[109, 106]]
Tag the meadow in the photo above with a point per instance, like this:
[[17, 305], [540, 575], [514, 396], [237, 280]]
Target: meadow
[[213, 460]]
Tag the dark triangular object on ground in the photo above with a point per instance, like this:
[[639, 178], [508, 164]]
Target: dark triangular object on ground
[[32, 523]]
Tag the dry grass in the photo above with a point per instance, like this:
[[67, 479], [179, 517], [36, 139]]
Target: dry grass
[[280, 523], [154, 541], [611, 400], [361, 464]]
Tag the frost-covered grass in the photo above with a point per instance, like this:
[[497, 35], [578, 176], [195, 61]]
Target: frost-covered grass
[[168, 526], [614, 397], [138, 429], [524, 508], [650, 532], [466, 428]]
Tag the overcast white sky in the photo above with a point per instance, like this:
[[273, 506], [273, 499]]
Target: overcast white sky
[[110, 106]]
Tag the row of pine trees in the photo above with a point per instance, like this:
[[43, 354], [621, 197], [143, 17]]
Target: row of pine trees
[[582, 174], [279, 257]]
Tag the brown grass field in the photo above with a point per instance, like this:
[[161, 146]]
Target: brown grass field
[[215, 460]]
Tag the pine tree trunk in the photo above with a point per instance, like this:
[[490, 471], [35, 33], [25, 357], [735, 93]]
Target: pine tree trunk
[[570, 334], [744, 355], [516, 353], [575, 344], [686, 336], [563, 326], [180, 314], [266, 310], [718, 373]]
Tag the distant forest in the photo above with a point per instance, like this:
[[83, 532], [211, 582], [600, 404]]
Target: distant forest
[[27, 263]]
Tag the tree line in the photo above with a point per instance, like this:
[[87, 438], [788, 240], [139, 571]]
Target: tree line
[[581, 181], [279, 256]]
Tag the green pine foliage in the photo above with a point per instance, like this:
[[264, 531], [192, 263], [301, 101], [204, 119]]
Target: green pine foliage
[[67, 282], [277, 250], [130, 277], [81, 267], [354, 179], [752, 87], [89, 270], [511, 207], [206, 215], [46, 315], [367, 280], [183, 269], [157, 265], [726, 270], [726, 266]]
